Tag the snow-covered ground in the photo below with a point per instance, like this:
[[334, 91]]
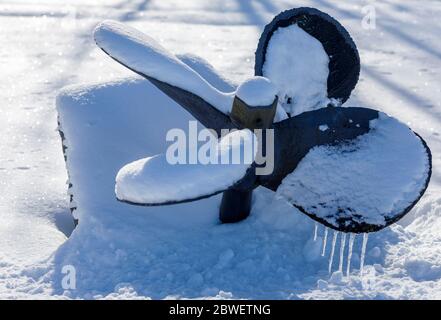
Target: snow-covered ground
[[47, 45]]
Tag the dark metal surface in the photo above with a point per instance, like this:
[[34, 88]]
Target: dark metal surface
[[235, 205], [72, 205], [244, 116], [294, 137], [204, 112]]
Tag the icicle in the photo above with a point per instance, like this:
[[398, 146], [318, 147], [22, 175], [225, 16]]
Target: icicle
[[363, 252], [342, 251], [315, 231], [325, 239], [351, 245], [331, 257]]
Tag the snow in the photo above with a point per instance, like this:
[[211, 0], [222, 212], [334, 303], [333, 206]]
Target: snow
[[377, 176], [154, 252], [297, 64], [142, 53], [257, 91], [154, 180]]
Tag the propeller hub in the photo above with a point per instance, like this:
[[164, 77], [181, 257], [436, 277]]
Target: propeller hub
[[254, 104]]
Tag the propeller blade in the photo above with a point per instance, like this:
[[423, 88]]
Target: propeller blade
[[296, 136], [364, 184], [156, 181], [208, 72], [306, 53], [143, 55]]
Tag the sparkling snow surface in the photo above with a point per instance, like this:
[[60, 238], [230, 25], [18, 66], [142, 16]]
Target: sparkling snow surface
[[297, 64], [378, 175], [155, 180], [122, 251]]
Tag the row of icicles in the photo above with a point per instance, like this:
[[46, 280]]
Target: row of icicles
[[342, 248]]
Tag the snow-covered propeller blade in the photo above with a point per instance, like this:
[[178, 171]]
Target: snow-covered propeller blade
[[155, 181], [294, 137], [310, 57], [364, 184], [208, 72], [145, 56]]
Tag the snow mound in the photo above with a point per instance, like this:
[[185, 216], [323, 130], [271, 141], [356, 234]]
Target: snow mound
[[171, 251], [372, 178], [297, 64], [145, 55], [181, 251], [257, 91], [155, 180]]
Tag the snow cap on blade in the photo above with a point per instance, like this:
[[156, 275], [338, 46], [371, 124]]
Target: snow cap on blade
[[145, 56], [257, 91], [156, 181]]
